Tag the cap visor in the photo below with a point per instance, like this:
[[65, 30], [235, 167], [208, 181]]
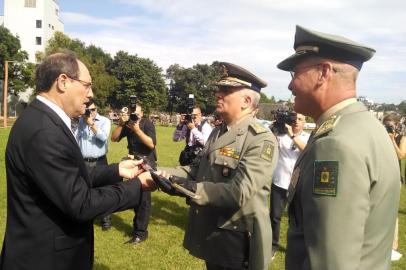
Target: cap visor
[[289, 63]]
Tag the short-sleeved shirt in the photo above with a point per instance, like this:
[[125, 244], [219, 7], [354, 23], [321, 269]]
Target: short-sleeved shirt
[[136, 146]]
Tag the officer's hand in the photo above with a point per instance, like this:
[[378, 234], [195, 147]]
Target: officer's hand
[[289, 130], [130, 168], [147, 183], [189, 185]]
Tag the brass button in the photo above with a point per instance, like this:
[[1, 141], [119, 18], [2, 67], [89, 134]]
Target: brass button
[[235, 227]]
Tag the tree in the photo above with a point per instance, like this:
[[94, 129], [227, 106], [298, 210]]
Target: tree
[[137, 76], [265, 99], [20, 73], [198, 81], [94, 58]]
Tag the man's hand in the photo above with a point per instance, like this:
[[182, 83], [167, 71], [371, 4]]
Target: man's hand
[[147, 183], [134, 126], [289, 130], [130, 168], [89, 121], [123, 119], [191, 125]]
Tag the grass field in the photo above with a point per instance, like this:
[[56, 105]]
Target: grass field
[[163, 250]]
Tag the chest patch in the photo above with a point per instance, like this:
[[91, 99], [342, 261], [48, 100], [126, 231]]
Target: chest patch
[[325, 181]]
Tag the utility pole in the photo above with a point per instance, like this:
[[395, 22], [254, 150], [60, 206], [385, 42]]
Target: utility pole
[[5, 94]]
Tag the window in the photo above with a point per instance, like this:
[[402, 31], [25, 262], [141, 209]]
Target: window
[[30, 3], [57, 12], [38, 40], [39, 23]]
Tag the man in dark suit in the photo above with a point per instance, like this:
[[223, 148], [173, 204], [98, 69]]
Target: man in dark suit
[[51, 198]]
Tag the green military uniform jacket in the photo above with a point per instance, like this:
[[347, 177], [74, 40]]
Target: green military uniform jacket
[[344, 195], [229, 224]]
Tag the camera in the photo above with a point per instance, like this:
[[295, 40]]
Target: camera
[[131, 109], [87, 112], [390, 129], [189, 108], [282, 117]]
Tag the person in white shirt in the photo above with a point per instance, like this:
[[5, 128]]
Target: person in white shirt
[[195, 132], [291, 141]]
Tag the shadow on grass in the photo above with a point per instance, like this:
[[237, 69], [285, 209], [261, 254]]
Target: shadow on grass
[[169, 212], [118, 223], [162, 211], [100, 266]]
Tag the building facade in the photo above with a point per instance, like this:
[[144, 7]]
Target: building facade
[[33, 21]]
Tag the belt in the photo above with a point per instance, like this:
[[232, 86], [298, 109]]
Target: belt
[[94, 159]]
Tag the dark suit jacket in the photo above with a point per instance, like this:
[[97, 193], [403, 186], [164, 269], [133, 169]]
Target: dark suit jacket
[[51, 199]]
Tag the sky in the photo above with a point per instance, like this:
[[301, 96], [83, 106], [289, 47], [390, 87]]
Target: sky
[[255, 34]]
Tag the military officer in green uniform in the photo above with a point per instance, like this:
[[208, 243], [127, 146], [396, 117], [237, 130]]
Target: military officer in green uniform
[[229, 226], [344, 191]]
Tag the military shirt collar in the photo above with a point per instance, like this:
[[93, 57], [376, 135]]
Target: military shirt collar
[[341, 105]]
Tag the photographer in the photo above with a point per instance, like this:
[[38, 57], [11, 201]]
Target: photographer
[[195, 131], [141, 138], [92, 135], [291, 141], [391, 124]]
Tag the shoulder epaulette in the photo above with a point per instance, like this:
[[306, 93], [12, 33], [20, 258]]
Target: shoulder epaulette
[[328, 125], [258, 128]]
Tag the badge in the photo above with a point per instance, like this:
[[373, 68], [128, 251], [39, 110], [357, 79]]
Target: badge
[[229, 152], [267, 151], [226, 171], [325, 181], [293, 182]]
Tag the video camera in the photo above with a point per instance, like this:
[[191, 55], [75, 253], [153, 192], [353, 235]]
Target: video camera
[[131, 109], [87, 112], [283, 116], [189, 109], [390, 129]]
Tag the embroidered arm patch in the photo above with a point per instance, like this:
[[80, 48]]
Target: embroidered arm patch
[[267, 151], [325, 181]]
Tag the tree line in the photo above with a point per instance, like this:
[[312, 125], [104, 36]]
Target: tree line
[[116, 78]]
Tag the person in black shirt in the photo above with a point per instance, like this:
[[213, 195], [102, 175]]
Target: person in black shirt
[[141, 140]]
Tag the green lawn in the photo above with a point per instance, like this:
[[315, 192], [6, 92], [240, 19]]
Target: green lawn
[[163, 250]]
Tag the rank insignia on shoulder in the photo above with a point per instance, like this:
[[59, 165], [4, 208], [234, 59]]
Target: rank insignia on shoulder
[[258, 128], [267, 151], [229, 152], [325, 181], [328, 125]]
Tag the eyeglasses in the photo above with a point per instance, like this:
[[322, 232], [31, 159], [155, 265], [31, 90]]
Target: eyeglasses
[[293, 73], [87, 85]]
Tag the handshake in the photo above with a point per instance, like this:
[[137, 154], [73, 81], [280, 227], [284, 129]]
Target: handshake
[[151, 179]]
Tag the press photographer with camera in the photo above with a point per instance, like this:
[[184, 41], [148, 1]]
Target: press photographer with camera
[[141, 138], [92, 136], [288, 129], [391, 123], [194, 131]]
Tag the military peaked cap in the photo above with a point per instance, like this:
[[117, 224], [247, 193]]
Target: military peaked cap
[[236, 76], [309, 42]]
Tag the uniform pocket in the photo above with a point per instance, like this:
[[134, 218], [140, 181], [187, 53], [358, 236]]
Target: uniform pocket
[[226, 161]]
